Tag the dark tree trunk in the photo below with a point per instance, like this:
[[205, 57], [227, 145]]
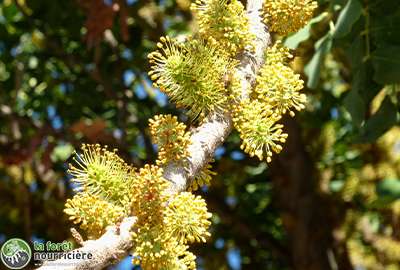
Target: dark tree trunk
[[308, 215]]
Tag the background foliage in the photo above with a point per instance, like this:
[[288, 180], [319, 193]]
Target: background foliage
[[75, 71]]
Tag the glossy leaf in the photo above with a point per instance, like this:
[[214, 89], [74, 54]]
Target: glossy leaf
[[348, 16], [380, 122], [386, 62], [313, 68], [293, 41]]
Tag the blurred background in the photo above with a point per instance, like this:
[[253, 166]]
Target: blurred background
[[74, 72]]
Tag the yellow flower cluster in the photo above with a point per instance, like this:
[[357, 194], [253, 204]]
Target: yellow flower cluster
[[173, 141], [191, 74], [277, 91], [388, 246], [203, 178], [164, 224], [287, 16], [260, 133], [149, 195], [187, 216], [199, 74], [171, 138], [104, 182], [100, 172], [164, 245], [225, 22], [94, 213], [153, 251], [277, 85], [277, 54]]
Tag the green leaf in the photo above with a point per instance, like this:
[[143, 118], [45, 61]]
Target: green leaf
[[293, 41], [356, 52], [379, 123], [62, 152], [363, 90], [313, 68], [257, 169], [4, 74], [389, 189], [386, 62], [385, 29], [336, 185], [354, 102], [362, 80], [11, 13], [348, 16], [355, 105]]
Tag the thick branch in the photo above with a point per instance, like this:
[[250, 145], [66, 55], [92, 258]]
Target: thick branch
[[205, 139], [110, 247], [211, 134]]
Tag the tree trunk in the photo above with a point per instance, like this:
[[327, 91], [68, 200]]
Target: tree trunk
[[308, 215]]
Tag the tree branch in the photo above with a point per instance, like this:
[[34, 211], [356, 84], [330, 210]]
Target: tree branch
[[218, 125], [205, 139], [111, 246]]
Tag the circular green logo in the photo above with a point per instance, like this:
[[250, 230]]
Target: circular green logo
[[15, 253]]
